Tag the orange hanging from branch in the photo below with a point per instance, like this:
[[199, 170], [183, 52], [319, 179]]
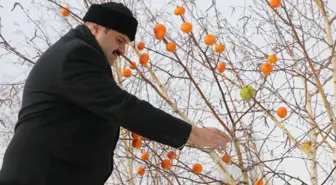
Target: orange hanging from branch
[[159, 27], [226, 158], [166, 164], [135, 136], [137, 143], [221, 67], [145, 156], [266, 68], [282, 112], [160, 35], [219, 48], [126, 72], [272, 58], [186, 27], [259, 182], [171, 155], [179, 10], [197, 168], [209, 39], [65, 11], [171, 46], [141, 45], [275, 3], [141, 171], [144, 58], [133, 65]]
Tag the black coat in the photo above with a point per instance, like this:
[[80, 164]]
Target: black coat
[[71, 112]]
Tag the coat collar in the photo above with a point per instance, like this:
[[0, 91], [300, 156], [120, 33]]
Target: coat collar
[[83, 32]]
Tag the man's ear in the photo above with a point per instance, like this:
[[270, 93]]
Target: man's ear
[[94, 28]]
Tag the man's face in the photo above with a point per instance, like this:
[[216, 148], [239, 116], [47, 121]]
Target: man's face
[[111, 42]]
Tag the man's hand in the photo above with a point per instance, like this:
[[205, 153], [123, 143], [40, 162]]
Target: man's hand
[[209, 138]]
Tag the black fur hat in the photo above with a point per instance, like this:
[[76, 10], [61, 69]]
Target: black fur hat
[[115, 16]]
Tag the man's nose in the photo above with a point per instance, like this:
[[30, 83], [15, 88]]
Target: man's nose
[[122, 49]]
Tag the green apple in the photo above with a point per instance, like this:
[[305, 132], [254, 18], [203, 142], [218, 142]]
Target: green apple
[[247, 92]]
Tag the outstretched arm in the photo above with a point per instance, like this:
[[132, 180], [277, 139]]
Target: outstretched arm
[[88, 85]]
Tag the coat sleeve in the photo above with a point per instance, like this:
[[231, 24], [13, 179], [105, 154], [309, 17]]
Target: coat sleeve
[[87, 84]]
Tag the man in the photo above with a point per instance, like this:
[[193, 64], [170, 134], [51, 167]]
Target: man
[[72, 108]]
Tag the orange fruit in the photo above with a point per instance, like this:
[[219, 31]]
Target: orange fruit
[[272, 58], [132, 66], [179, 10], [65, 11], [209, 39], [144, 156], [186, 27], [141, 171], [274, 3], [197, 168], [226, 158], [144, 58], [282, 112], [141, 45], [159, 27], [221, 67], [160, 35], [135, 136], [259, 182], [171, 155], [266, 68], [171, 46], [219, 48], [137, 143], [166, 164], [126, 72]]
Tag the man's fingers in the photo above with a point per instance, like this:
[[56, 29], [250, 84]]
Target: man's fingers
[[213, 138], [224, 145], [221, 145], [217, 145], [225, 136], [227, 139], [219, 149]]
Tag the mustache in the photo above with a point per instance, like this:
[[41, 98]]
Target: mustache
[[116, 52]]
